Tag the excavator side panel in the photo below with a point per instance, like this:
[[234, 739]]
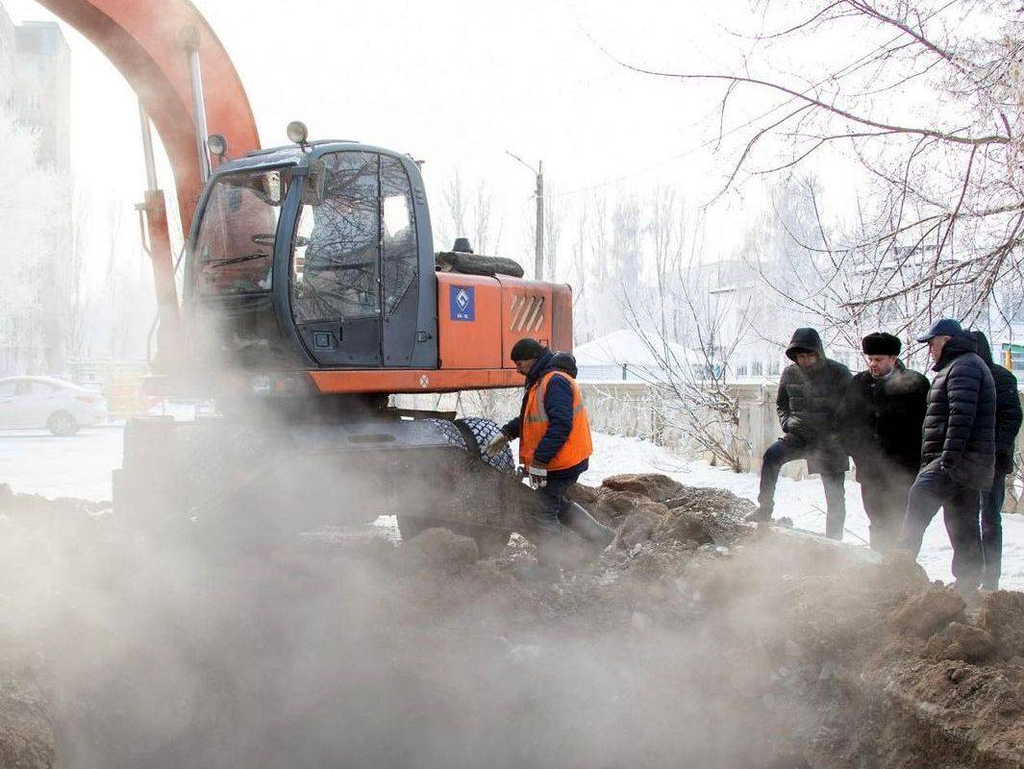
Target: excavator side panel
[[469, 322]]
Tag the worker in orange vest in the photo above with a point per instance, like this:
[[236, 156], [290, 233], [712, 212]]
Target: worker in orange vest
[[554, 439]]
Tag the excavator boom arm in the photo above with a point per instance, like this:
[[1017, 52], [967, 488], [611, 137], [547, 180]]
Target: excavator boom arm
[[150, 44]]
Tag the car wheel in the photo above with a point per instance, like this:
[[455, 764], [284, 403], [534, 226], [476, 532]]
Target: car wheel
[[62, 423]]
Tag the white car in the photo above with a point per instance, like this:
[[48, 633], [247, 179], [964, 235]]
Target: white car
[[34, 402]]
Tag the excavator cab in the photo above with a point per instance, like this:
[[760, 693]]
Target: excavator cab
[[314, 256]]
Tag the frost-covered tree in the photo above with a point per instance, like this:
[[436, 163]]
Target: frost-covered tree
[[922, 102], [32, 275]]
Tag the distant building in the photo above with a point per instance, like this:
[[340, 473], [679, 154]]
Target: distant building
[[42, 89], [35, 92], [35, 84]]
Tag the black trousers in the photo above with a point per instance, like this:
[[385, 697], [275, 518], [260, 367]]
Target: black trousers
[[787, 450], [553, 501], [884, 492], [932, 489], [992, 531]]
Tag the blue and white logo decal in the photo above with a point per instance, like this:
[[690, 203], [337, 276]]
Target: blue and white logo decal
[[462, 304]]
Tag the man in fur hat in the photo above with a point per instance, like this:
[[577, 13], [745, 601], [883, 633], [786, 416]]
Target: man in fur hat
[[882, 416]]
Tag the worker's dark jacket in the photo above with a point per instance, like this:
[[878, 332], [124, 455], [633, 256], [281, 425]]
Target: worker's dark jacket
[[882, 420], [1008, 410], [808, 402], [960, 424], [558, 405]]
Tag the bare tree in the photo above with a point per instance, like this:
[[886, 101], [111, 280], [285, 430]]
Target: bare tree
[[600, 240], [75, 307], [666, 230], [485, 241], [469, 213], [691, 334], [627, 248], [930, 112], [552, 235]]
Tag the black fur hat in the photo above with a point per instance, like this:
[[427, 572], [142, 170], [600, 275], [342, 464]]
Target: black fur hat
[[881, 343]]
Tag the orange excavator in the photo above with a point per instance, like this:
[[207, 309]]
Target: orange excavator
[[311, 292]]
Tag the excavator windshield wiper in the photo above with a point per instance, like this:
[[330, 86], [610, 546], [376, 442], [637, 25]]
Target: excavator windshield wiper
[[215, 263]]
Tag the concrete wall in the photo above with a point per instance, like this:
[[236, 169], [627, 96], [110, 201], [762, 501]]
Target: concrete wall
[[634, 409]]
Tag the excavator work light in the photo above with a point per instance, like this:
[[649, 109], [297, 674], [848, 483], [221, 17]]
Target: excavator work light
[[297, 132], [217, 145]]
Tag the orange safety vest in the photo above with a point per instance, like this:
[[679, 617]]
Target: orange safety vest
[[577, 446]]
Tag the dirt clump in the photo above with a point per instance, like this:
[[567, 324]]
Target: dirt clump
[[639, 526], [927, 612], [961, 642], [654, 486], [1002, 615], [613, 507]]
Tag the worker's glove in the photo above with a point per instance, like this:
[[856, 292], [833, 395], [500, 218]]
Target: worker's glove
[[538, 476], [498, 442]]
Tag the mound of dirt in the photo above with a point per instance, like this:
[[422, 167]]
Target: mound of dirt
[[27, 739], [697, 640]]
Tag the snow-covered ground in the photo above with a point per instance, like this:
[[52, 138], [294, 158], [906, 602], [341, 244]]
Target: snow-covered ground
[[80, 466]]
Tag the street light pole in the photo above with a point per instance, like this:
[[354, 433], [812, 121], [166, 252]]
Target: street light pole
[[538, 260]]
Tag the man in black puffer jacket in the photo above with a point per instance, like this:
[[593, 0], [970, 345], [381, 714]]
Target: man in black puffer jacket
[[958, 451], [810, 393], [882, 415], [1008, 420]]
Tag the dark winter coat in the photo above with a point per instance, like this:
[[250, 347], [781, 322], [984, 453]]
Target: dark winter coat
[[808, 402], [960, 424], [557, 404], [1008, 410], [882, 420]]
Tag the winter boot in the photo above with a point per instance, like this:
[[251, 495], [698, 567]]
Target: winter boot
[[576, 518], [761, 515]]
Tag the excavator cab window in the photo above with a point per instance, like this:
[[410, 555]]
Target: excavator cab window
[[335, 267], [235, 246], [401, 257], [355, 262]]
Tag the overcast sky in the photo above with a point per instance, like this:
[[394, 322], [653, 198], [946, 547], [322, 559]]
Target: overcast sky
[[457, 83]]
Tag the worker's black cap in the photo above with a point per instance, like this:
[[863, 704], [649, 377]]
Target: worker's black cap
[[942, 327], [527, 348], [881, 343]]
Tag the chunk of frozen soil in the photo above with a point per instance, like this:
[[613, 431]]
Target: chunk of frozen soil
[[640, 526], [927, 612], [717, 502], [614, 507], [687, 526], [1002, 615], [654, 486], [977, 644]]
